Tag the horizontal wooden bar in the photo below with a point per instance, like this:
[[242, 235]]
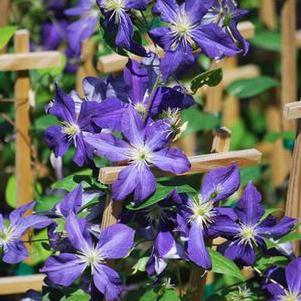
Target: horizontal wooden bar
[[112, 63], [292, 110], [20, 284], [199, 164], [30, 60]]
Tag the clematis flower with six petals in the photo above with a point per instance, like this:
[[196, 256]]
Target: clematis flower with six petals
[[12, 230], [143, 146], [114, 242]]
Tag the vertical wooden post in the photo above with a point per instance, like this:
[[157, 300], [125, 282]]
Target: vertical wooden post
[[268, 14], [198, 278], [288, 58], [111, 212], [86, 67], [23, 153], [4, 8]]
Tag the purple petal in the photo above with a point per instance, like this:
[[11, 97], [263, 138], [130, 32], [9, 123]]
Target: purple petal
[[224, 226], [14, 252], [53, 33], [107, 281], [116, 241], [71, 202], [32, 221], [132, 127], [77, 232], [17, 214], [57, 140], [88, 110], [197, 251], [172, 160], [137, 179], [275, 290], [220, 183], [108, 146], [161, 36], [164, 242], [196, 9], [137, 4], [1, 222], [63, 106], [84, 152], [281, 228], [214, 42], [167, 9], [63, 269], [242, 252], [293, 275], [82, 5], [157, 134], [249, 209], [94, 89]]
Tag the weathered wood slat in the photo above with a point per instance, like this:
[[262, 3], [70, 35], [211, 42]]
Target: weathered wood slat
[[199, 164], [30, 60], [292, 110], [20, 284]]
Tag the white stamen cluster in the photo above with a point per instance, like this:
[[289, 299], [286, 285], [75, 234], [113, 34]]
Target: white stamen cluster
[[140, 108], [247, 234], [181, 30], [243, 293], [70, 129], [140, 155], [202, 212], [91, 257], [115, 6], [7, 235], [290, 296]]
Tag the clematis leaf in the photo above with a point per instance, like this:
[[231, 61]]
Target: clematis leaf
[[210, 78]]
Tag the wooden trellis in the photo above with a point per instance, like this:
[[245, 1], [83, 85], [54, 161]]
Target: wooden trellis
[[21, 62]]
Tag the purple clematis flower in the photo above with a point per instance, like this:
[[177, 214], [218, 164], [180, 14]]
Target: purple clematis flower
[[226, 14], [196, 216], [185, 32], [144, 145], [114, 242], [137, 92], [82, 29], [250, 230], [11, 232], [118, 21], [60, 137], [290, 289]]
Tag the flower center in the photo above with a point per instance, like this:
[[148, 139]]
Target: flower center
[[290, 296], [70, 129], [141, 154], [91, 257], [181, 30], [7, 235], [202, 212], [247, 234], [155, 213], [117, 7], [140, 108]]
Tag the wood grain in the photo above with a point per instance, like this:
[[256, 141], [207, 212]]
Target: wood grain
[[292, 110], [20, 284], [268, 14], [288, 58], [29, 60]]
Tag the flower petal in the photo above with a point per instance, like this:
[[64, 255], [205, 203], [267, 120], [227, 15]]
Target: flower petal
[[14, 252], [16, 215], [167, 9], [63, 269], [157, 134], [116, 241], [249, 208], [220, 183], [172, 160], [107, 281], [196, 9], [293, 275], [243, 253], [196, 250]]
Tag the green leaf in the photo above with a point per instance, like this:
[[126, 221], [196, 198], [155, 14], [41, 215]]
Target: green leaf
[[45, 121], [37, 252], [268, 212], [6, 34], [268, 40], [198, 120], [274, 136], [161, 193], [170, 295], [250, 173], [69, 183], [149, 296], [245, 88], [78, 295], [210, 78], [290, 237], [140, 266], [265, 262], [223, 265], [46, 202], [10, 192]]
